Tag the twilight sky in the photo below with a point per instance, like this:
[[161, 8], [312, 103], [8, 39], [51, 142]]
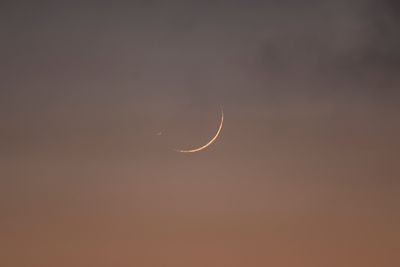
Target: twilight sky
[[305, 173]]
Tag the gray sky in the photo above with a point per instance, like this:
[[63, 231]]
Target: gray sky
[[305, 172]]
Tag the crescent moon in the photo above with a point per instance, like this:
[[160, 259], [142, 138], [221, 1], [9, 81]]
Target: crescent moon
[[209, 142]]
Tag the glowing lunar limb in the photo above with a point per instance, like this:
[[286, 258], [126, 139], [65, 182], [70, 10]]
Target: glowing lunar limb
[[210, 142]]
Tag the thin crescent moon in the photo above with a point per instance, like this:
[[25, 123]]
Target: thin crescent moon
[[210, 142]]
